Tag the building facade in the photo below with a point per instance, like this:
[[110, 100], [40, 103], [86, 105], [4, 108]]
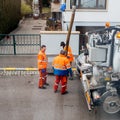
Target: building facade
[[91, 15]]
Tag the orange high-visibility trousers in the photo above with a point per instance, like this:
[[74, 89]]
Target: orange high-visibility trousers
[[43, 77], [63, 80]]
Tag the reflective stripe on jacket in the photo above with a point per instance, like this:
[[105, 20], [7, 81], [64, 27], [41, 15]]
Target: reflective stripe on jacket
[[61, 65], [70, 55], [42, 60]]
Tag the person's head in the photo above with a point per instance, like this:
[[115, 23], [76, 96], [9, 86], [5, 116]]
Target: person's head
[[63, 52], [62, 44], [43, 48]]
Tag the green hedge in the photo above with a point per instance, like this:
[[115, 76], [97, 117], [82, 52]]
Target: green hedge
[[25, 9], [10, 15]]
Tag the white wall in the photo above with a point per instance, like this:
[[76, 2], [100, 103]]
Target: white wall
[[52, 40], [94, 18]]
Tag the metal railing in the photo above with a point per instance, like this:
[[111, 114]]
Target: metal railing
[[19, 44]]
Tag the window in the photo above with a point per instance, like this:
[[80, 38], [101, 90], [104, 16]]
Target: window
[[89, 4]]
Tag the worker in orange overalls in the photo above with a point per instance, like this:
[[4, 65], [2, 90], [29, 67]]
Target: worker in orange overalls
[[69, 56], [61, 68], [42, 65]]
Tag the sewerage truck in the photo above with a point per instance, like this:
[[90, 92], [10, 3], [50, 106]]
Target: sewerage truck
[[99, 69]]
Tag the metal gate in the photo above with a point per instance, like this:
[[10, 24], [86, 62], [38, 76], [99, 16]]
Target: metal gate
[[19, 44]]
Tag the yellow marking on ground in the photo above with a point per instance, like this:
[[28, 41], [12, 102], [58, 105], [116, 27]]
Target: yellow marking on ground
[[9, 68], [26, 69], [31, 69]]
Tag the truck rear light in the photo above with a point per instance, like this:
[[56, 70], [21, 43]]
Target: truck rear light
[[95, 95]]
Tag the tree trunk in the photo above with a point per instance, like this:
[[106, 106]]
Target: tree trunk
[[40, 6]]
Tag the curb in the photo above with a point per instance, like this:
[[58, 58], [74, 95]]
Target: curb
[[23, 69]]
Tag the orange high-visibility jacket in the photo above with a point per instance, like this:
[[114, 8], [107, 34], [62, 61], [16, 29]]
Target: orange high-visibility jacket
[[70, 55], [42, 60], [61, 65]]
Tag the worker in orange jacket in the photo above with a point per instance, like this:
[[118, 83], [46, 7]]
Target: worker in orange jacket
[[42, 65], [61, 68], [69, 56]]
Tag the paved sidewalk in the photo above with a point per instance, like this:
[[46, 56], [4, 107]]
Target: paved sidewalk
[[27, 26], [30, 26], [18, 61]]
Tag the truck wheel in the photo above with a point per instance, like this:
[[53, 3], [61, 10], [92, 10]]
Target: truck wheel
[[111, 104]]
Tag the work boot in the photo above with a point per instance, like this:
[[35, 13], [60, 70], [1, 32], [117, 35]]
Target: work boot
[[47, 84], [70, 78], [66, 92], [55, 91], [42, 87]]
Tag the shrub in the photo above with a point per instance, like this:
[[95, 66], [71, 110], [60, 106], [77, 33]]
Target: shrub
[[9, 15], [25, 9]]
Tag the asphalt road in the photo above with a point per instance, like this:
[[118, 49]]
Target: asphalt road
[[20, 99]]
